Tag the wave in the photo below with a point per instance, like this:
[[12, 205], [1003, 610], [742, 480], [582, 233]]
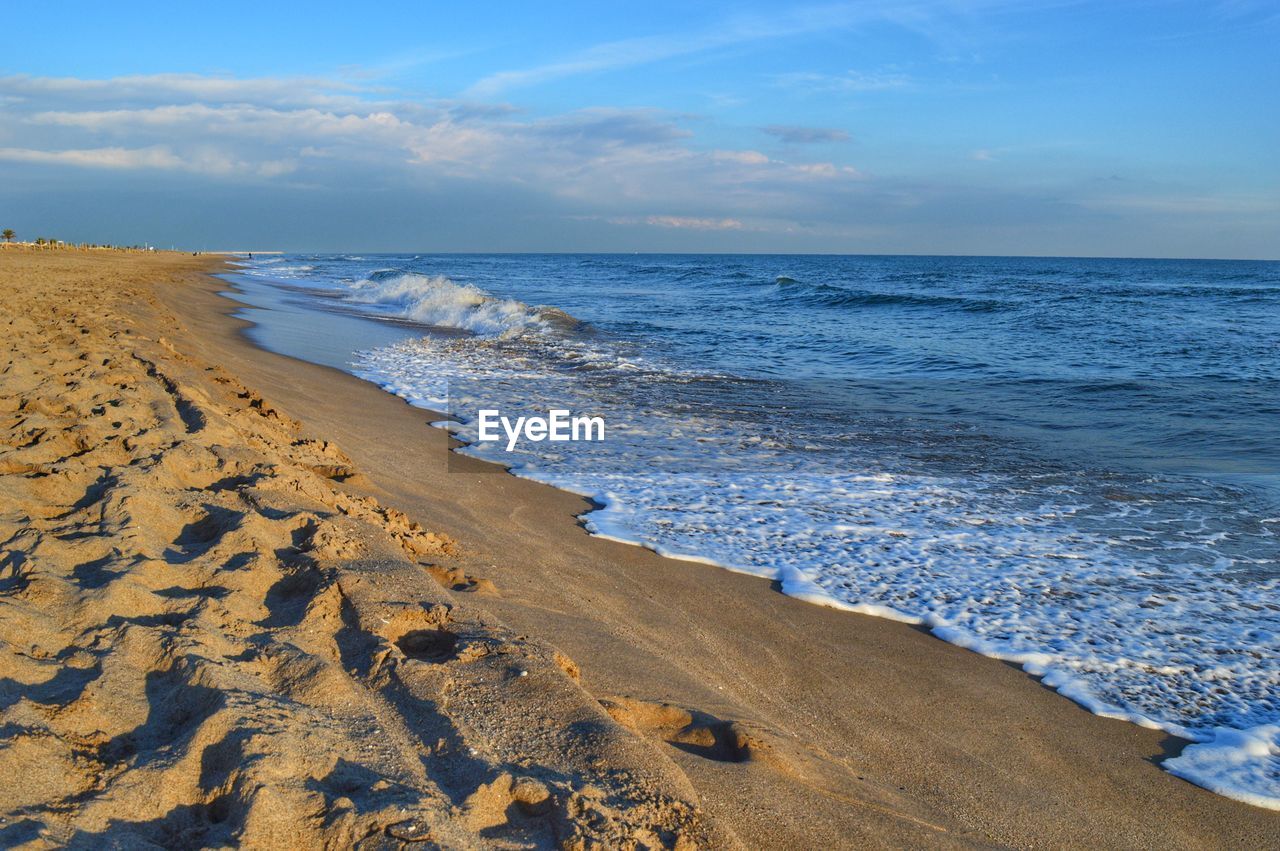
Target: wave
[[436, 300], [988, 543], [991, 563], [273, 270], [831, 296]]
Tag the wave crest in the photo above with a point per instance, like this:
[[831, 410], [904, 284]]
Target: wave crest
[[436, 300]]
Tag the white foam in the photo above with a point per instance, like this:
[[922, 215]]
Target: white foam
[[436, 300], [1235, 763], [1128, 607]]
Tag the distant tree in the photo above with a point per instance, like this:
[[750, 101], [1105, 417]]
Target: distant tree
[[39, 240], [7, 234]]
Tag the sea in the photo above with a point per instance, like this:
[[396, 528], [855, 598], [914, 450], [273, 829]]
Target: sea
[[1069, 464]]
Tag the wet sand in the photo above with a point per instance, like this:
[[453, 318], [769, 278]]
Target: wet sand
[[698, 702]]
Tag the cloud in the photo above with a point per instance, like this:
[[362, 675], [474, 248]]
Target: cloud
[[740, 157], [263, 130], [1186, 205], [611, 126], [805, 135], [604, 57], [331, 163], [186, 88], [848, 82], [738, 30], [154, 157], [825, 170], [680, 222]]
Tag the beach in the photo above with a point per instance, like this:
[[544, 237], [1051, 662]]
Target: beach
[[245, 597]]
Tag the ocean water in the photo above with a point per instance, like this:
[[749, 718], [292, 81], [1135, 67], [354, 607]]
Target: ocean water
[[1069, 464]]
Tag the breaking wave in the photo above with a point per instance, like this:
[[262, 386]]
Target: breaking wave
[[435, 300]]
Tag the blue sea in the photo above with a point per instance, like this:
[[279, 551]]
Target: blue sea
[[1071, 464]]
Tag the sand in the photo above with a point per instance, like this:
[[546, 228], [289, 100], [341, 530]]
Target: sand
[[222, 622], [207, 638]]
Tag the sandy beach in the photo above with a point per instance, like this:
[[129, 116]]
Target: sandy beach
[[244, 599]]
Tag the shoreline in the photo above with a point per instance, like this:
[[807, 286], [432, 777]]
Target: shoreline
[[209, 636], [1158, 743], [1031, 662], [780, 722]]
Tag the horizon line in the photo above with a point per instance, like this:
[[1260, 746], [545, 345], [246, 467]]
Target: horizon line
[[753, 254]]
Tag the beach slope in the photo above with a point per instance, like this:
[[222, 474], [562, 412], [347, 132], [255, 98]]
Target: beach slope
[[217, 626], [209, 635]]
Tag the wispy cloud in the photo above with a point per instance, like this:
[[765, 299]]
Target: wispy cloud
[[333, 152], [187, 88], [805, 135], [604, 57], [1186, 205], [160, 157], [739, 30], [127, 158], [316, 132], [679, 222], [849, 81]]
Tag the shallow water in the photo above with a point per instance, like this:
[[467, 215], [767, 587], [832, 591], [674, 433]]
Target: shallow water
[[1071, 464]]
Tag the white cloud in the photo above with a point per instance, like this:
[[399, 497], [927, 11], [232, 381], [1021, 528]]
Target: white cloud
[[682, 222], [1185, 205], [186, 88], [848, 82], [826, 170], [306, 141], [741, 29], [741, 157], [625, 160], [205, 161], [793, 135], [156, 157]]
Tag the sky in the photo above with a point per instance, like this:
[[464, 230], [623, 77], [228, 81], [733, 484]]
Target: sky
[[1148, 129]]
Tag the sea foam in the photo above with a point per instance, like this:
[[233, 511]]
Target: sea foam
[[1116, 602], [1142, 596], [436, 300]]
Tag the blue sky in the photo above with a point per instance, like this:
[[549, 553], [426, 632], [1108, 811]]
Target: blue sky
[[1077, 128]]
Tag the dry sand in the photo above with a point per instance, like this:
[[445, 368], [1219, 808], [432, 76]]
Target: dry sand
[[207, 638], [217, 626]]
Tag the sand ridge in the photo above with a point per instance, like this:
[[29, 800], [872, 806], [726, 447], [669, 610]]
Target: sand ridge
[[209, 636]]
